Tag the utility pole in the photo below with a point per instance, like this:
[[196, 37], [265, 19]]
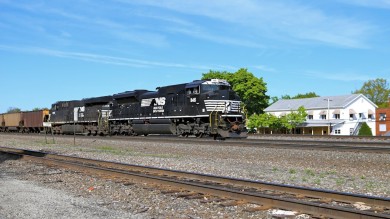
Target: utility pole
[[327, 116]]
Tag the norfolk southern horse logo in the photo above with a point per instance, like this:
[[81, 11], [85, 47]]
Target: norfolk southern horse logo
[[157, 103]]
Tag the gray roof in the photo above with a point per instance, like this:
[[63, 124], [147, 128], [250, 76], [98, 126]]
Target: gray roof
[[315, 103]]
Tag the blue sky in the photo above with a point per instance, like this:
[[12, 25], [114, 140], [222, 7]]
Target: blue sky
[[63, 50]]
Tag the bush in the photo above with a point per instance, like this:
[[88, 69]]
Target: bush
[[365, 130]]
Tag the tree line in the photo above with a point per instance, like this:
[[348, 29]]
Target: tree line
[[18, 110]]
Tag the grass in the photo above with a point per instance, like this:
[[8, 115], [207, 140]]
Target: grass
[[274, 169], [43, 142], [340, 181], [370, 185], [106, 148], [109, 149], [317, 181], [332, 172], [292, 171], [322, 175], [128, 152], [309, 172]]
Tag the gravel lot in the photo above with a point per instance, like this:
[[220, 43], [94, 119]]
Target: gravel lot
[[363, 173]]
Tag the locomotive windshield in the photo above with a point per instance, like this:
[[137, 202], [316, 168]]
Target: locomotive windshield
[[211, 87], [214, 85]]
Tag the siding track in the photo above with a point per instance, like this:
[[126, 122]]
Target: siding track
[[319, 203]]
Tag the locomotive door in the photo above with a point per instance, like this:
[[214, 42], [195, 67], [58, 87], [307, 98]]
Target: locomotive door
[[192, 100], [172, 107]]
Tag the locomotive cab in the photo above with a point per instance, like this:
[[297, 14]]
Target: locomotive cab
[[216, 99]]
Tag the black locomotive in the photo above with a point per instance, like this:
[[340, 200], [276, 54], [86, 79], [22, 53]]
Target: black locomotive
[[202, 107]]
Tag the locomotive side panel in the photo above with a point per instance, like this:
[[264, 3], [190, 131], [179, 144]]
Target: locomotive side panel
[[63, 111]]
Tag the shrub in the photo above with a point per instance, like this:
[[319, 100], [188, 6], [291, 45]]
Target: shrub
[[365, 130]]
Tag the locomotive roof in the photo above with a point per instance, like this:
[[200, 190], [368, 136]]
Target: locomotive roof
[[195, 83], [68, 101], [128, 94], [171, 88], [208, 81], [96, 100]]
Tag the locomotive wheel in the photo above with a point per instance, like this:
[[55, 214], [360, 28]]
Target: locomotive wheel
[[199, 135]]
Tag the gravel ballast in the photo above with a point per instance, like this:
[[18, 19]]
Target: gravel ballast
[[364, 173]]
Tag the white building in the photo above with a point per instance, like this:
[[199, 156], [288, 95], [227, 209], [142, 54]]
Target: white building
[[337, 115]]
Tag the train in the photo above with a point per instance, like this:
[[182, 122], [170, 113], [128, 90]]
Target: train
[[198, 108]]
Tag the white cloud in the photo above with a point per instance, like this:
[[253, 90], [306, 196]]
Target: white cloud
[[338, 76], [218, 38], [281, 19], [384, 4], [104, 59], [264, 68]]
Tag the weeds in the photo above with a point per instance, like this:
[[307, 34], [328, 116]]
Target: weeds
[[370, 185], [317, 181], [332, 172], [309, 172], [340, 181]]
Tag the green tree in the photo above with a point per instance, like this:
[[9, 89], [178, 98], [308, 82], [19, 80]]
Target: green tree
[[285, 123], [285, 97], [38, 109], [250, 89], [365, 130], [377, 91], [291, 120], [306, 95], [14, 110], [297, 117], [298, 96], [261, 121], [274, 99]]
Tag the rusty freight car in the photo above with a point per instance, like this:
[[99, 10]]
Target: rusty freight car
[[33, 121]]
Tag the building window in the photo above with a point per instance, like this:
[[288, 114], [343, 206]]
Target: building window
[[382, 116], [310, 117], [382, 127], [361, 116], [323, 116], [337, 116], [337, 131], [370, 117], [351, 117]]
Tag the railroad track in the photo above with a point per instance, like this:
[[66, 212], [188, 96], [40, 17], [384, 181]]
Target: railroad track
[[319, 203], [366, 146], [369, 146]]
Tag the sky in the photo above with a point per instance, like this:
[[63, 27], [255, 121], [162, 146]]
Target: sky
[[68, 49]]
